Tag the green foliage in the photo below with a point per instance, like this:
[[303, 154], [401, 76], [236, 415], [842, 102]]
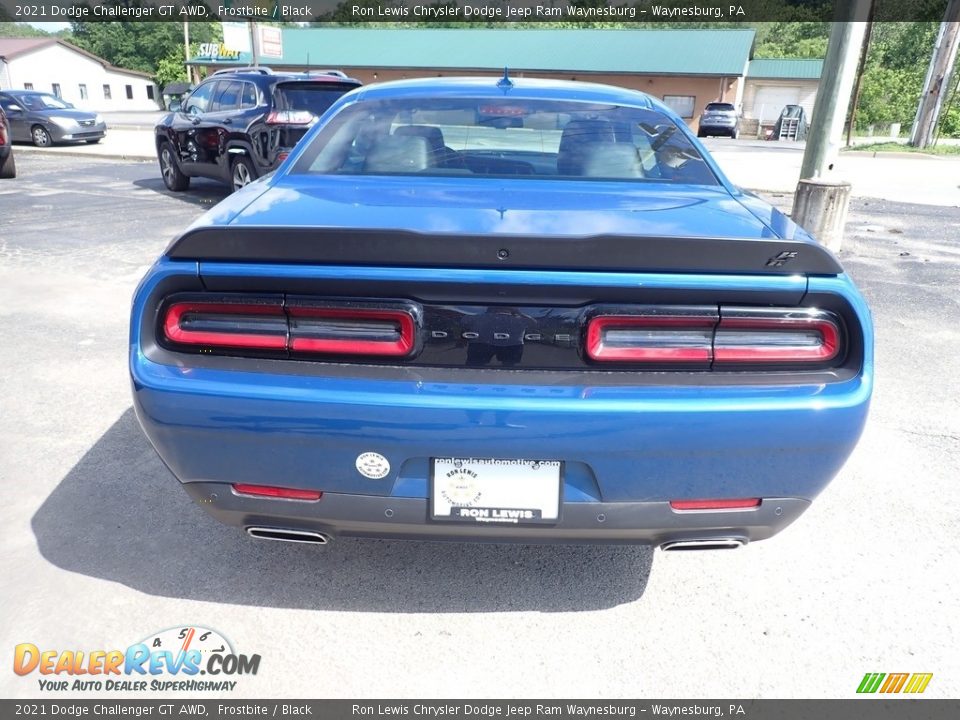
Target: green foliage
[[895, 69], [20, 30], [170, 69]]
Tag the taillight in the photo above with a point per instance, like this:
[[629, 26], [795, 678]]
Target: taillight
[[751, 336], [282, 155], [281, 493], [736, 337], [651, 338], [377, 332], [273, 325], [290, 117], [732, 504], [261, 326]]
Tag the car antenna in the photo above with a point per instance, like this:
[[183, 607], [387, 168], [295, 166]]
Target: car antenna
[[505, 83]]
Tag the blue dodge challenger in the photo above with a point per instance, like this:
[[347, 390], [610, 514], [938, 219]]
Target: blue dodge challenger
[[503, 311]]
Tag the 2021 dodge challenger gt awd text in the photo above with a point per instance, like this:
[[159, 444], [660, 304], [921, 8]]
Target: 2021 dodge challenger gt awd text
[[501, 311]]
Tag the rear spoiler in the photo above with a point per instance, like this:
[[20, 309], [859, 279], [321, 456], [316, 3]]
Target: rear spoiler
[[401, 248]]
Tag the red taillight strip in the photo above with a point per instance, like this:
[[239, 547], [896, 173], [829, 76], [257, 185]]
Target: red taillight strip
[[735, 504], [403, 345], [277, 492], [174, 331], [599, 349], [741, 352]]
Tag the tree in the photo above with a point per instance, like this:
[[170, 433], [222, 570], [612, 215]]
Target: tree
[[152, 47], [140, 45]]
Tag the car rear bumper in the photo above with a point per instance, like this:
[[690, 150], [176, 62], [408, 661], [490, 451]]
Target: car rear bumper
[[626, 452], [728, 129], [349, 515]]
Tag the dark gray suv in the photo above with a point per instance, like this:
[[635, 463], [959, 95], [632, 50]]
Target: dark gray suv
[[719, 118]]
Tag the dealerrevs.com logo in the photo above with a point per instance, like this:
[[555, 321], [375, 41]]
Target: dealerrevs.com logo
[[169, 660]]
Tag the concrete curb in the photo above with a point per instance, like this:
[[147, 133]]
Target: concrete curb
[[77, 152], [901, 155]]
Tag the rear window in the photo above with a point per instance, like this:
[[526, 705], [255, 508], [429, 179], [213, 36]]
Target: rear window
[[313, 97], [717, 107], [505, 138]]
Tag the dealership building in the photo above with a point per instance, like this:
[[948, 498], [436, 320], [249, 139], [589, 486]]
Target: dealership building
[[685, 68], [77, 76]]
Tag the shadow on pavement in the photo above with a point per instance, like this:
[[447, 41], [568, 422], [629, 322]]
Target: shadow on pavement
[[204, 193], [120, 515]]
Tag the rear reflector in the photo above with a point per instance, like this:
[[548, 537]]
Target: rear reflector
[[277, 492], [351, 331], [228, 325], [650, 338], [737, 504]]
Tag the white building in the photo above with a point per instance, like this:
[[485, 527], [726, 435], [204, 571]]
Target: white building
[[773, 83], [81, 78]]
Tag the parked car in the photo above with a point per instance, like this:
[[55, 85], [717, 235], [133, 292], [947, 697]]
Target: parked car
[[8, 165], [569, 327], [242, 123], [719, 118], [45, 119]]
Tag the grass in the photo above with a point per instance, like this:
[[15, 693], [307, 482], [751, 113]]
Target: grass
[[904, 148]]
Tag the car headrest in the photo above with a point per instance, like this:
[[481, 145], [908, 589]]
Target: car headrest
[[398, 153], [434, 135], [612, 160], [576, 135]]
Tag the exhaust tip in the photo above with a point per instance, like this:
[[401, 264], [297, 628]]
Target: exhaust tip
[[704, 544], [284, 535]]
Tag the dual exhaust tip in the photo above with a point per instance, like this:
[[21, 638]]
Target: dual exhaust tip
[[308, 537], [728, 543]]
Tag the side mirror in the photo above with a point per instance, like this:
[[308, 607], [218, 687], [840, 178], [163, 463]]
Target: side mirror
[[14, 109], [174, 106]]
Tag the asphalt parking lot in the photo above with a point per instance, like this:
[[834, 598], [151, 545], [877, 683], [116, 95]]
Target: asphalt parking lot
[[102, 548]]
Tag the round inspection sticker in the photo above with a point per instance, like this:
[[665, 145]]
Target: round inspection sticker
[[373, 465]]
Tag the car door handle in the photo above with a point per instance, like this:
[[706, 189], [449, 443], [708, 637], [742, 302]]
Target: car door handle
[[195, 121], [227, 121]]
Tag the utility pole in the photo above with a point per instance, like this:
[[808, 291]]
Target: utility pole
[[938, 77], [186, 49], [821, 201], [861, 68], [255, 43], [833, 96]]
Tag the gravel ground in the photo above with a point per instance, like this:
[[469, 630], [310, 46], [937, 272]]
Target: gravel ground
[[101, 548]]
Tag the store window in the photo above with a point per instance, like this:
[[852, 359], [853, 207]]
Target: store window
[[682, 105]]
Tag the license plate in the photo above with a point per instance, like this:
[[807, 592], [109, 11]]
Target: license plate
[[510, 492]]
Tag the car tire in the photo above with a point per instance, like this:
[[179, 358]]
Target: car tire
[[40, 136], [242, 172], [8, 168], [173, 177], [93, 141]]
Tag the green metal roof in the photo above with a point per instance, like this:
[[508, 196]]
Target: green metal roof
[[785, 69], [656, 52]]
